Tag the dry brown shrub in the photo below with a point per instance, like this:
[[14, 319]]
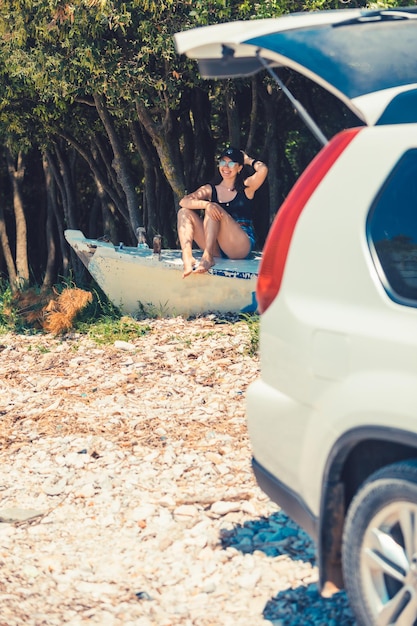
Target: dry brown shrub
[[73, 300], [60, 316], [30, 306], [57, 322], [52, 311]]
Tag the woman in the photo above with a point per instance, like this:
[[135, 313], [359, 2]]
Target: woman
[[226, 229]]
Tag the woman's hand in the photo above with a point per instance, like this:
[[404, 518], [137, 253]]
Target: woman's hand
[[196, 200], [213, 211], [247, 160]]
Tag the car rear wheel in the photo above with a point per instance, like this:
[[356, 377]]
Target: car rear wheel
[[379, 549]]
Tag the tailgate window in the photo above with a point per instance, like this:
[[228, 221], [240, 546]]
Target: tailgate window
[[392, 231]]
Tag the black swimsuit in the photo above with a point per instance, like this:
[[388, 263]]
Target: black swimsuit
[[240, 209]]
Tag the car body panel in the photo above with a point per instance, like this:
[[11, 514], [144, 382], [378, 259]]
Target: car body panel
[[342, 351], [352, 53]]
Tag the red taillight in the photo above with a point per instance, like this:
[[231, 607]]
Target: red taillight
[[279, 238]]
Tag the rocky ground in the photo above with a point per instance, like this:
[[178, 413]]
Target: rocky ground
[[126, 492]]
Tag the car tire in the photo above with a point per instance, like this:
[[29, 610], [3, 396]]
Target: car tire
[[379, 550]]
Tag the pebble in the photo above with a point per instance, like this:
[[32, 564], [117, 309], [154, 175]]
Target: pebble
[[130, 501], [222, 508]]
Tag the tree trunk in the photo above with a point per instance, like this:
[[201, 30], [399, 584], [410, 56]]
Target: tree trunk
[[151, 200], [166, 144], [66, 187], [275, 141], [233, 116], [120, 163], [92, 159], [108, 217], [16, 169], [202, 162], [50, 276], [7, 253], [250, 142], [69, 215]]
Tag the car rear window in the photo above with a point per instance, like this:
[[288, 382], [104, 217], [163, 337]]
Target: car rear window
[[392, 231], [355, 57]]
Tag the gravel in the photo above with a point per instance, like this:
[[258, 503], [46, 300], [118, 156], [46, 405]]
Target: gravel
[[126, 493]]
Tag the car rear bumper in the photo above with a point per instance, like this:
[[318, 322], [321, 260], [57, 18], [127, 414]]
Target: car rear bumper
[[289, 501]]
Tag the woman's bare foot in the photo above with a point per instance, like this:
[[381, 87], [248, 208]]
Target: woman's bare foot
[[189, 265], [204, 265]]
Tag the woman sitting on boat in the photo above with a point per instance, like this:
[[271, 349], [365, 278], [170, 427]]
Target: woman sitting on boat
[[227, 229]]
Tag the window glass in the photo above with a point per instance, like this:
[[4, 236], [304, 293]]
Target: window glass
[[355, 57], [392, 231]]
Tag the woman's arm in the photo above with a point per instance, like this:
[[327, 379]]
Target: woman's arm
[[254, 181], [198, 199]]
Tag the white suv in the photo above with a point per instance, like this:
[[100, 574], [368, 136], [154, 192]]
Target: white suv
[[333, 417]]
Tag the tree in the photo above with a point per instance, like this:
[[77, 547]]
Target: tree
[[121, 126]]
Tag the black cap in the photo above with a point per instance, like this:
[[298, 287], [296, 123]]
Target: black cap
[[234, 154]]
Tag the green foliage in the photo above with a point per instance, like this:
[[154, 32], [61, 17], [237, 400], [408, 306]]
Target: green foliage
[[102, 322], [42, 349], [10, 320], [56, 57], [100, 308], [252, 321], [153, 311], [8, 314], [107, 329]]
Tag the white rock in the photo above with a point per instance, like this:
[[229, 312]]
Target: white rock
[[30, 571], [124, 345], [249, 579], [222, 508], [167, 500], [187, 510], [96, 590], [18, 514], [85, 491], [52, 488], [74, 459]]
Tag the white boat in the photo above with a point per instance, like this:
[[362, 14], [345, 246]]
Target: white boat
[[137, 279]]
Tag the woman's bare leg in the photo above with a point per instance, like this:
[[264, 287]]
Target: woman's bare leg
[[211, 231], [232, 239], [210, 235], [190, 228], [224, 234]]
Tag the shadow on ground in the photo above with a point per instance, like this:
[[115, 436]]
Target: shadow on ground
[[303, 606], [274, 535]]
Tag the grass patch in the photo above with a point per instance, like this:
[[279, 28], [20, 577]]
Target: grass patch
[[107, 330], [102, 322], [252, 321], [8, 316]]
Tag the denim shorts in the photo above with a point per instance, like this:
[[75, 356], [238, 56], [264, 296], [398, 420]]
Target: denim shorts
[[247, 227]]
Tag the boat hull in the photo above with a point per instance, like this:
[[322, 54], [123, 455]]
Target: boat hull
[[136, 280]]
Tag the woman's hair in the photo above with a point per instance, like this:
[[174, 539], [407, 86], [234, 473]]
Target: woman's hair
[[240, 180]]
